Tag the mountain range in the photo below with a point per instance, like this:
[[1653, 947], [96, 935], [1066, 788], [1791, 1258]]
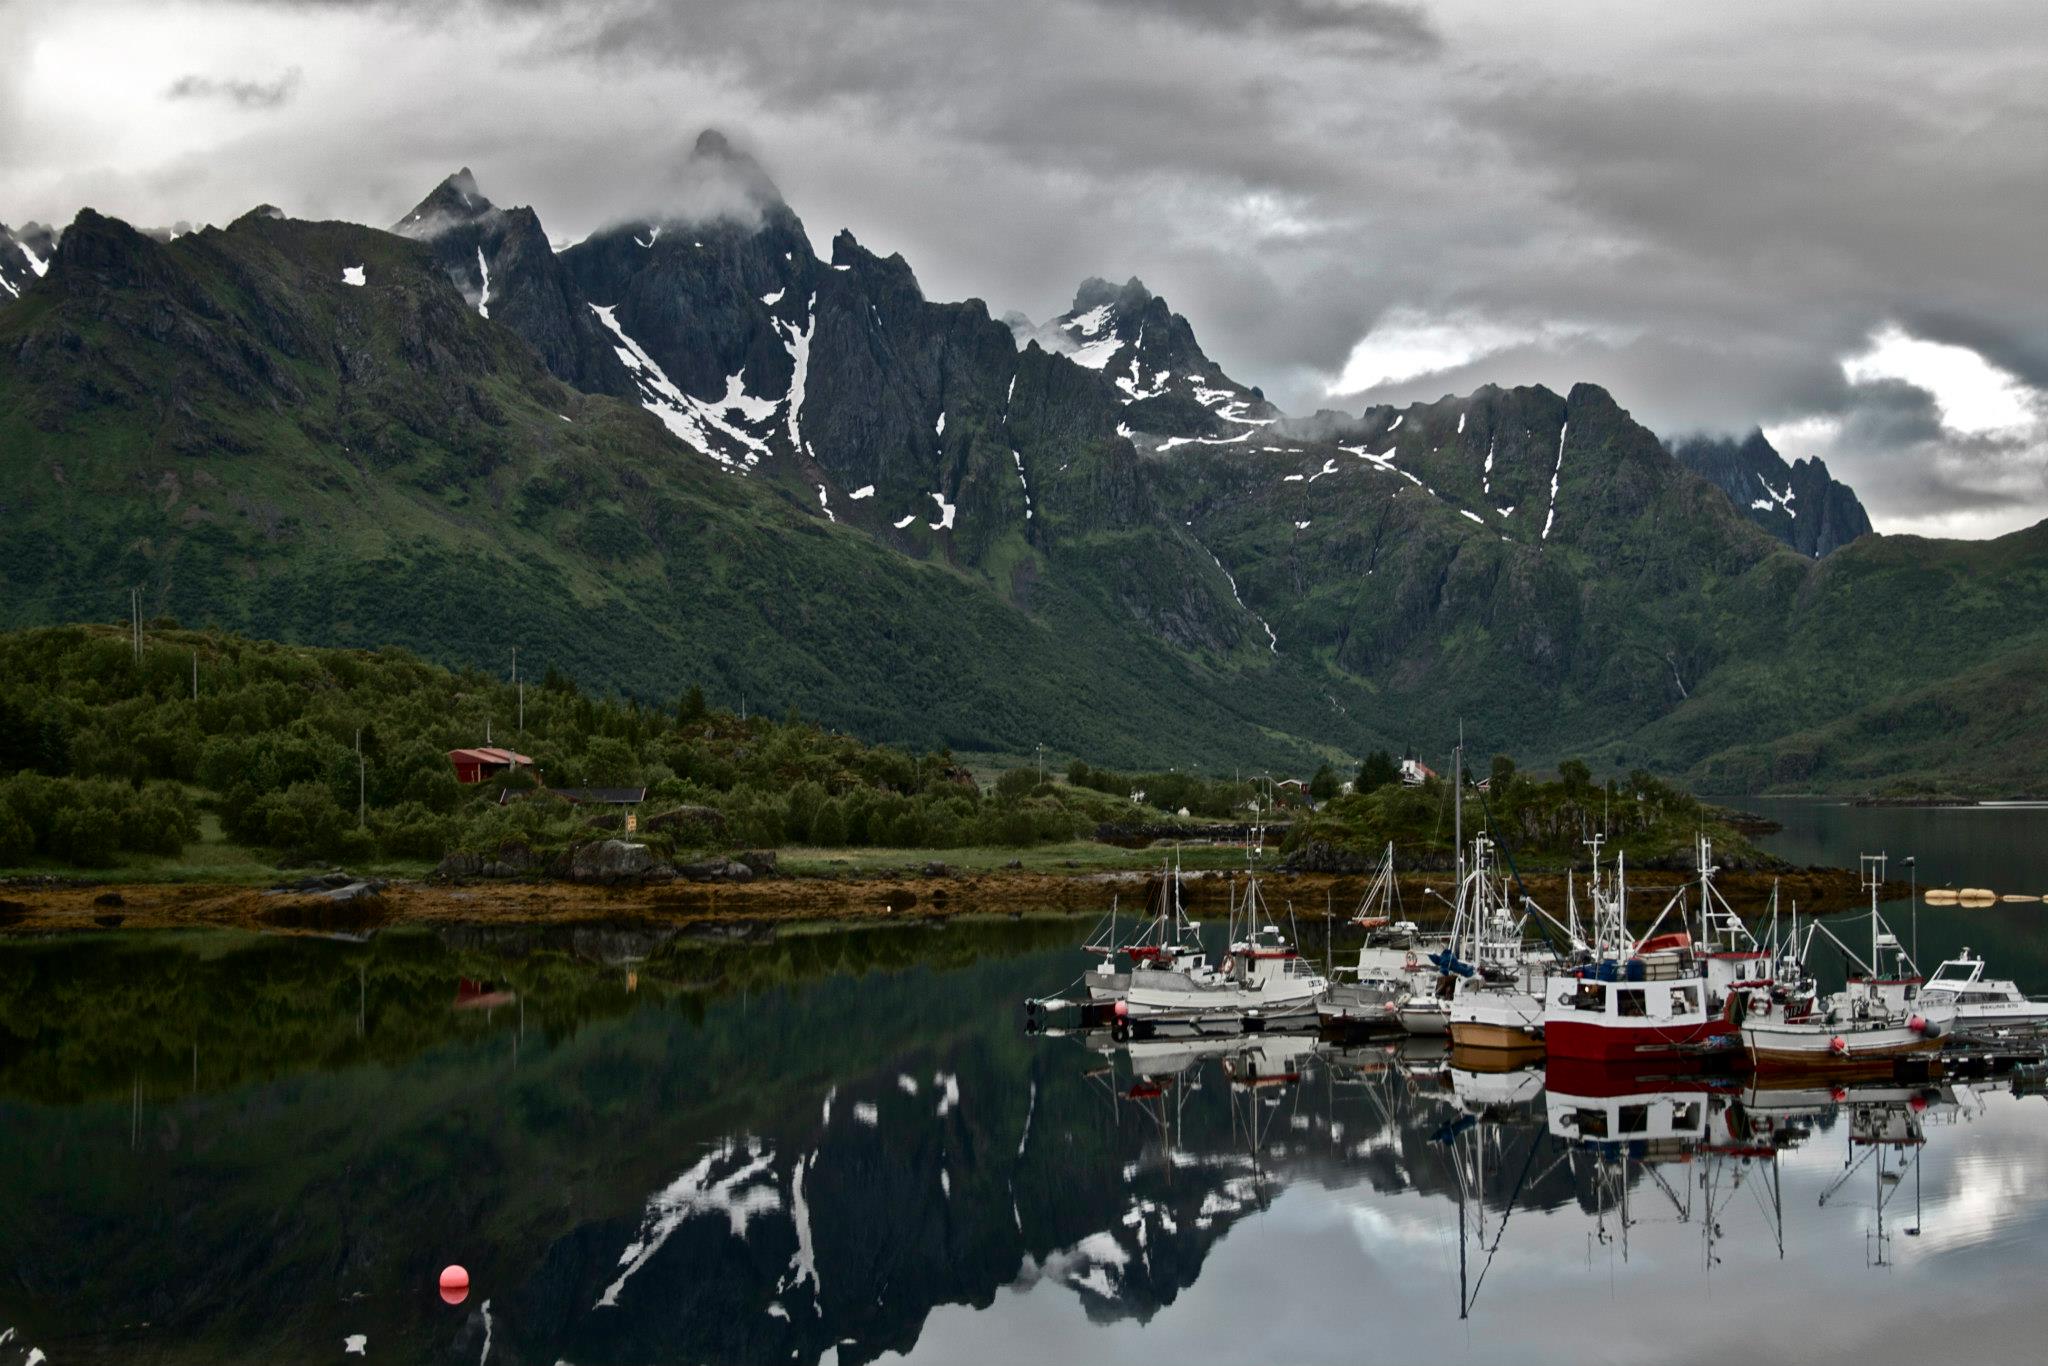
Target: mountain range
[[688, 449]]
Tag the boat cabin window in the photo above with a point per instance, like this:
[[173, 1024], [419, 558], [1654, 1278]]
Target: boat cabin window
[[1590, 1123], [1685, 1116], [1629, 1001], [1590, 996], [1685, 1000], [1634, 1119]]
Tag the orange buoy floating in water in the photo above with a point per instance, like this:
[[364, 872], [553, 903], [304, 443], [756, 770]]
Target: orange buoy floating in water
[[454, 1284]]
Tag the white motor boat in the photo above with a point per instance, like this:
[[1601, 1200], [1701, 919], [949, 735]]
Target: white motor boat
[[1980, 1002]]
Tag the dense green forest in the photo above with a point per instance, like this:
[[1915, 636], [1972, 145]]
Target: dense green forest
[[1534, 821], [341, 756]]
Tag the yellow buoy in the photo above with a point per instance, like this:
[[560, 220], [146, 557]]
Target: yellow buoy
[[2018, 896], [1977, 896], [1941, 896]]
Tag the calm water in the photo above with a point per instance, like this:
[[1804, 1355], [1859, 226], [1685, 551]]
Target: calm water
[[225, 1148]]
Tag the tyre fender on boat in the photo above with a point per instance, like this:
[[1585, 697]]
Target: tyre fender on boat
[[1229, 964], [1413, 962]]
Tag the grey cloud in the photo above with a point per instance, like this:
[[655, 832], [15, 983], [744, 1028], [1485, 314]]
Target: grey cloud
[[1719, 206], [246, 94], [1400, 26]]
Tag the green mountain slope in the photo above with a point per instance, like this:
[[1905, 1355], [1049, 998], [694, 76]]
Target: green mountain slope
[[227, 423], [828, 492]]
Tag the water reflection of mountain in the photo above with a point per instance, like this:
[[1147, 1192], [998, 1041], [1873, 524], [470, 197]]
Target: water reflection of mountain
[[792, 1149]]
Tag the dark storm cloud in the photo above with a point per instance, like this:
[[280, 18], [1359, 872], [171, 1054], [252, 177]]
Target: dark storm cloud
[[244, 93], [1706, 209]]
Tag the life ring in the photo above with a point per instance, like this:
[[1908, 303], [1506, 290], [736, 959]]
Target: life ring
[[1229, 964]]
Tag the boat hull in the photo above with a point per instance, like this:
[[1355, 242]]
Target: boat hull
[[1423, 1020], [1486, 1036], [1593, 1041], [1791, 1048]]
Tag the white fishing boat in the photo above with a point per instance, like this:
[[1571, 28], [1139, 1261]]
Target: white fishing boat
[[1262, 983], [1367, 994], [1496, 1001], [1979, 1002], [1168, 939], [1869, 1026]]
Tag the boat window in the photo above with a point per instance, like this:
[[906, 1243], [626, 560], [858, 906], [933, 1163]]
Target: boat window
[[1685, 1001], [1591, 1123], [1634, 1119], [1629, 1001], [1590, 996], [1686, 1115]]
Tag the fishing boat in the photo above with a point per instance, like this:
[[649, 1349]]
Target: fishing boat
[[1496, 1001], [1168, 939], [1367, 995], [1867, 1027], [1980, 1002], [1262, 983], [1653, 996]]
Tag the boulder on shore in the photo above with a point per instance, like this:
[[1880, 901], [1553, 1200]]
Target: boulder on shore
[[609, 862], [716, 870]]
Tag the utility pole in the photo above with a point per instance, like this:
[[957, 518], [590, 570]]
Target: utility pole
[[361, 807], [135, 619], [1041, 762], [195, 675], [519, 686]]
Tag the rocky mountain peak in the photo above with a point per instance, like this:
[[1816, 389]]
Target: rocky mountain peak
[[454, 201], [1095, 292], [25, 255], [1799, 503]]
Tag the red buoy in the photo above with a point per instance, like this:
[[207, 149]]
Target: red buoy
[[454, 1284], [1838, 1045], [1123, 1008]]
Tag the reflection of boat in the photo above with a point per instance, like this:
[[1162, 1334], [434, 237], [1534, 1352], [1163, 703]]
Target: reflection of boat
[[1667, 1122], [1495, 1087], [1867, 1027], [473, 995], [1980, 1002]]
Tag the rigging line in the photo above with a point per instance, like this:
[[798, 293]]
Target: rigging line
[[1500, 1230]]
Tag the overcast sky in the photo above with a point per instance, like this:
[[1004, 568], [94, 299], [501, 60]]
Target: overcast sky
[[1825, 218]]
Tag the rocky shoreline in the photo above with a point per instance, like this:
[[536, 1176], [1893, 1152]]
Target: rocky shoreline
[[340, 904]]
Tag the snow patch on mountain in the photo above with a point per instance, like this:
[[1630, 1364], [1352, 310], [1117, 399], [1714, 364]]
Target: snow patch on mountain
[[945, 523], [350, 275], [483, 270], [864, 491], [1556, 475], [798, 344], [690, 420]]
